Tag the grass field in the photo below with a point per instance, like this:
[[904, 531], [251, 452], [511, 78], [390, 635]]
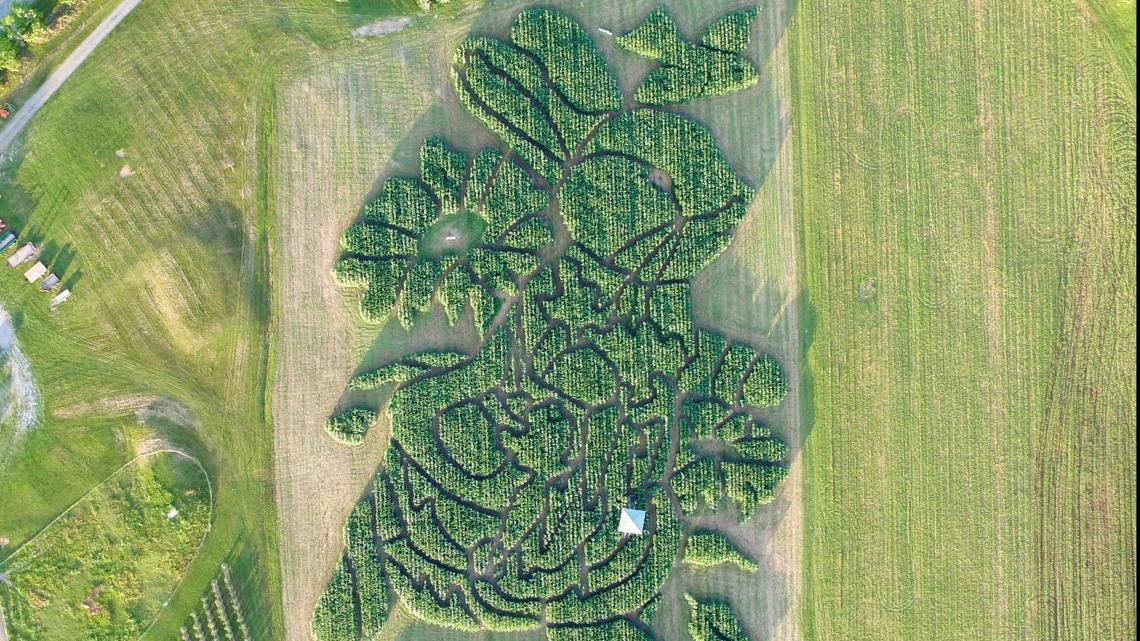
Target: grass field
[[168, 266], [965, 173], [106, 567]]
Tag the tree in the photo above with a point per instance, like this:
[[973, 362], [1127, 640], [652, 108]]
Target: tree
[[24, 26], [8, 60]]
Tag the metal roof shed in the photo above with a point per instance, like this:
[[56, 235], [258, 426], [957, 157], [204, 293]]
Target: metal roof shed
[[22, 254], [7, 241], [51, 281], [33, 274], [60, 298]]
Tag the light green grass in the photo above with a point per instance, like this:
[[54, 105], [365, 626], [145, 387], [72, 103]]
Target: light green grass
[[168, 267], [966, 181], [106, 567]]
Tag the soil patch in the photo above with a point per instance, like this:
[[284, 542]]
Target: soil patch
[[381, 27]]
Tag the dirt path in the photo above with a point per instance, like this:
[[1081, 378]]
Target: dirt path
[[785, 550], [23, 115], [3, 626], [755, 131]]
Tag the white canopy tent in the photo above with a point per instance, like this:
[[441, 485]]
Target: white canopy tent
[[632, 521]]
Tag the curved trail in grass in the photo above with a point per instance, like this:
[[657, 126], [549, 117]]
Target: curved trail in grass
[[54, 81]]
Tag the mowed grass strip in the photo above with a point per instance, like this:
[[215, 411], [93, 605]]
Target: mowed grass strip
[[966, 176]]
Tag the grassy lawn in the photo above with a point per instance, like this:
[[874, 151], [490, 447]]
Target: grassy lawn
[[966, 180], [141, 180], [106, 567]]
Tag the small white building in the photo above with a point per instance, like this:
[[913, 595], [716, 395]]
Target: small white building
[[632, 521], [37, 270], [60, 298]]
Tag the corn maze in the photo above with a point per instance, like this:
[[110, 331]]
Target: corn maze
[[571, 250]]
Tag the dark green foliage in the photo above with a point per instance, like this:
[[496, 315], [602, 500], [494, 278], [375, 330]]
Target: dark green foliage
[[768, 450], [370, 239], [614, 631], [702, 181], [498, 502], [749, 486], [707, 548], [334, 618], [512, 196], [713, 620], [371, 589], [351, 426], [689, 70], [403, 203], [766, 385], [731, 33], [444, 171], [609, 199], [352, 272], [698, 486], [576, 68]]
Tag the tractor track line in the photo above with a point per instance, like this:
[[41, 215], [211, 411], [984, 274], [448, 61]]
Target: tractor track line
[[21, 117]]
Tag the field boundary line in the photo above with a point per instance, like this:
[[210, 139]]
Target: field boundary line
[[58, 76], [100, 484]]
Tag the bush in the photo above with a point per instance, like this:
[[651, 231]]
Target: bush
[[690, 70], [351, 426], [9, 52], [707, 549], [24, 26], [713, 620]]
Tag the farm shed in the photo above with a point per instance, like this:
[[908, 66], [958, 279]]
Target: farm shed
[[7, 241], [60, 298], [33, 274], [51, 281], [22, 254], [632, 521]]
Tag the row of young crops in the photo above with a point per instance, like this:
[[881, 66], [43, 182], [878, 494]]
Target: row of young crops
[[497, 505], [219, 615]]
